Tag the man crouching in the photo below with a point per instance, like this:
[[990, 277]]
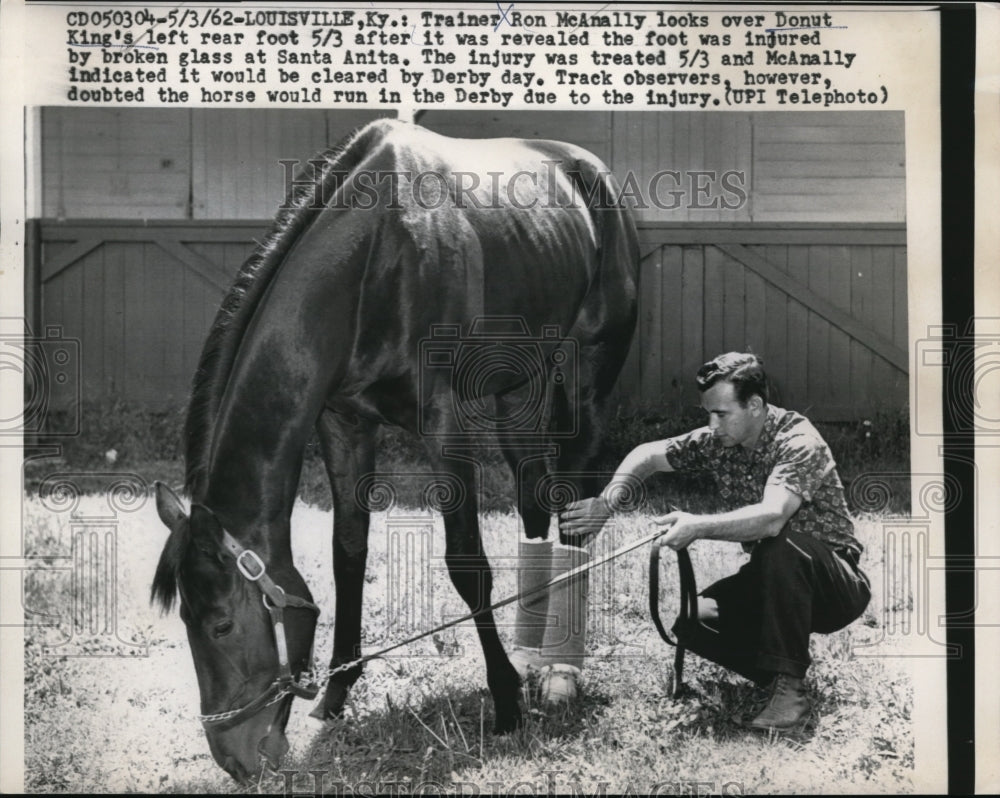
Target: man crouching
[[785, 503]]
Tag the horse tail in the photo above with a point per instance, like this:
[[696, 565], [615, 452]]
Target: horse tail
[[312, 188]]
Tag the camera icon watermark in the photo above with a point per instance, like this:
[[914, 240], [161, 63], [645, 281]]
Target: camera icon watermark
[[49, 369], [969, 362], [499, 355]]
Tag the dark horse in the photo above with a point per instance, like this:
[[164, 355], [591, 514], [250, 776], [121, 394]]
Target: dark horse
[[402, 237]]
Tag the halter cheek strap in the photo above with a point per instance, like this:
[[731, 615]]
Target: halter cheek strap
[[253, 570], [275, 599]]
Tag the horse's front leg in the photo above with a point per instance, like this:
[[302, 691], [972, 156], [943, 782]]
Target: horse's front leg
[[348, 446], [473, 579]]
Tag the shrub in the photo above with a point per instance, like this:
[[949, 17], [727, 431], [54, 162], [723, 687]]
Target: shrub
[[115, 432], [879, 445]]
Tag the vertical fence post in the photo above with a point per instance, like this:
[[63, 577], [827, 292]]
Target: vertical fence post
[[33, 274], [32, 294]]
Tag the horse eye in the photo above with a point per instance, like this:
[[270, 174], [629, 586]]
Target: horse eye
[[222, 629]]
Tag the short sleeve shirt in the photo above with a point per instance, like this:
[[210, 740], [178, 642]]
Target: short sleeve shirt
[[789, 452]]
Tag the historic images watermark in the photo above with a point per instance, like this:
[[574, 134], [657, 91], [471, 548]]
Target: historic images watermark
[[526, 189], [298, 784]]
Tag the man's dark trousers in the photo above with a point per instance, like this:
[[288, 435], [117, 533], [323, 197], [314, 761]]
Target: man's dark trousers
[[793, 585]]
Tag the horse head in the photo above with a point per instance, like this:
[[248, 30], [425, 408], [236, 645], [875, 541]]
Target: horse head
[[250, 627]]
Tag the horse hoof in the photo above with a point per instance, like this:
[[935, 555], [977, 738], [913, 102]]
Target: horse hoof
[[332, 705], [507, 723], [558, 684], [320, 712]]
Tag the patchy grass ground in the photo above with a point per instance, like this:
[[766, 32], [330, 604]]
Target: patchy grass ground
[[114, 709]]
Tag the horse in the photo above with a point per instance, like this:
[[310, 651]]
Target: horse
[[389, 269]]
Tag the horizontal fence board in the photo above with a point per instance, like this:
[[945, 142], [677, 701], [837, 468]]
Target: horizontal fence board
[[134, 161], [811, 186], [798, 118], [886, 234], [127, 230], [211, 163], [888, 133], [832, 169], [804, 151], [805, 208]]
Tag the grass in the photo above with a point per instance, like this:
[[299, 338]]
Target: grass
[[115, 711], [421, 716]]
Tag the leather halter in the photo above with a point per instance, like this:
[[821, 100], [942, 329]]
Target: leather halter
[[275, 599]]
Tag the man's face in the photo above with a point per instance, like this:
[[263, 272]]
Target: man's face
[[730, 422]]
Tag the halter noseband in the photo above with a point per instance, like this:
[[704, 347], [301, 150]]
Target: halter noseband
[[275, 599]]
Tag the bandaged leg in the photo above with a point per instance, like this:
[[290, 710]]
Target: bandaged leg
[[565, 639], [534, 567]]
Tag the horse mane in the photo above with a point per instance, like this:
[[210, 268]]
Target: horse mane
[[303, 204]]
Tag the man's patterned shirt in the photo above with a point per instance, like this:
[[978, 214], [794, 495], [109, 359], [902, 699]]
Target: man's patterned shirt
[[789, 452]]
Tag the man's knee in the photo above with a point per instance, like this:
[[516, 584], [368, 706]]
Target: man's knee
[[708, 612], [707, 619], [768, 548], [780, 553]]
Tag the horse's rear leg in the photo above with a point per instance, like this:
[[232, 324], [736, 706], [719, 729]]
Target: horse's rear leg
[[348, 446], [550, 627], [473, 579], [580, 414], [529, 461]]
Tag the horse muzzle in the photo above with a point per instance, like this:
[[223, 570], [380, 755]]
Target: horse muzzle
[[240, 749]]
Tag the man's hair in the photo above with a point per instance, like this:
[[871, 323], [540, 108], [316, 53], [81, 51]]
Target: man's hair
[[743, 369]]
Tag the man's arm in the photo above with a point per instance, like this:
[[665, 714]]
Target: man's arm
[[587, 517], [753, 522], [642, 462]]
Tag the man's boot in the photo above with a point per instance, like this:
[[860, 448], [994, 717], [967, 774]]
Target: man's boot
[[565, 638], [787, 707], [755, 702], [534, 568]]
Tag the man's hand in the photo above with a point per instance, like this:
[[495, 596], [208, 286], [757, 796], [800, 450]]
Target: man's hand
[[583, 520], [682, 528]]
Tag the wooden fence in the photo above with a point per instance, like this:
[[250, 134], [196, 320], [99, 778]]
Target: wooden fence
[[825, 305]]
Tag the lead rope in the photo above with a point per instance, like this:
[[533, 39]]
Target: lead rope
[[689, 604], [320, 678], [310, 683]]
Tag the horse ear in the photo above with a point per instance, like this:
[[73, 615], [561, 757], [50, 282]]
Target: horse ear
[[205, 528], [169, 506]]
